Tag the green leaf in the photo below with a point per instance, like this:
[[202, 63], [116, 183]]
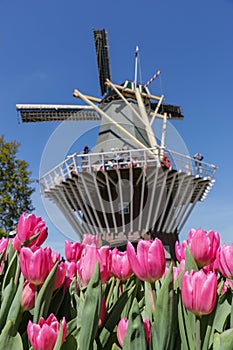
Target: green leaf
[[186, 326], [165, 327], [91, 311], [44, 296], [219, 315], [6, 300], [8, 340], [135, 337], [224, 340], [14, 313], [190, 263], [11, 270]]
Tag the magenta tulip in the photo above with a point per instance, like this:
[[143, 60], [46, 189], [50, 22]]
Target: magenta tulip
[[121, 267], [180, 250], [28, 296], [224, 261], [43, 336], [147, 328], [199, 291], [228, 284], [30, 225], [149, 263], [122, 329], [60, 275], [203, 246], [89, 257], [73, 250], [35, 265]]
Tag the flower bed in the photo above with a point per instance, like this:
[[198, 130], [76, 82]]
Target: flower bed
[[106, 299]]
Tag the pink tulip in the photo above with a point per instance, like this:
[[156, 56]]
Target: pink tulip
[[35, 266], [16, 243], [203, 246], [224, 261], [227, 285], [3, 244], [89, 257], [71, 269], [149, 263], [60, 275], [90, 239], [120, 265], [199, 291], [73, 250], [122, 329], [43, 336], [30, 225], [28, 296], [3, 248], [147, 328], [180, 250]]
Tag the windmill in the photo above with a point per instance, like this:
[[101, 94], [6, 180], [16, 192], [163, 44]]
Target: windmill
[[129, 186]]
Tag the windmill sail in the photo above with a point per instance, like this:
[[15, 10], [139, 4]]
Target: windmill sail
[[102, 55]]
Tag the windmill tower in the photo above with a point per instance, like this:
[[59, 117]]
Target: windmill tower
[[129, 186]]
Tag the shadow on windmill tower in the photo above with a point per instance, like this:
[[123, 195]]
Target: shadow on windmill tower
[[128, 186]]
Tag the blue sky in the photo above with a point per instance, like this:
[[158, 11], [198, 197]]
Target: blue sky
[[47, 50]]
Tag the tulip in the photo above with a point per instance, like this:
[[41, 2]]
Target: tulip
[[3, 244], [73, 250], [28, 296], [180, 250], [225, 260], [120, 265], [149, 263], [60, 275], [90, 239], [43, 336], [35, 265], [147, 328], [30, 225], [203, 246], [122, 329], [71, 269], [199, 291], [227, 285], [3, 247], [89, 257]]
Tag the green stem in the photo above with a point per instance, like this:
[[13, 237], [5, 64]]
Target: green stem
[[198, 333]]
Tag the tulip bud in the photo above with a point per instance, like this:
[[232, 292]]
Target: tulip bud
[[149, 263], [199, 291], [28, 296], [203, 246], [35, 265], [121, 267], [30, 225], [122, 329], [89, 257], [43, 336], [73, 250], [224, 261]]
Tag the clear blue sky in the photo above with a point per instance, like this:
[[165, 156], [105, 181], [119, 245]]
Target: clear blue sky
[[47, 50]]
